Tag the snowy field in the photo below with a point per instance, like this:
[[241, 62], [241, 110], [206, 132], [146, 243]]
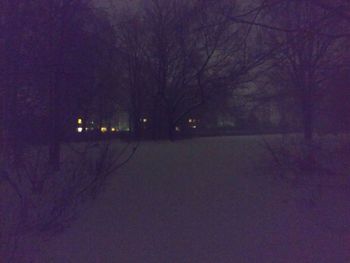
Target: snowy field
[[207, 200]]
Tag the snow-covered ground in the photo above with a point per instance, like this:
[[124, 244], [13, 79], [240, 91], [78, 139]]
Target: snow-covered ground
[[207, 200]]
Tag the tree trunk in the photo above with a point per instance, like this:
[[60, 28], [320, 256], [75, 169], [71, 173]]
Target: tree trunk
[[308, 117], [55, 127], [6, 120], [11, 148], [162, 124], [135, 125], [156, 123], [308, 128], [170, 121]]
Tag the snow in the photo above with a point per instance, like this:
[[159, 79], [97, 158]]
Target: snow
[[207, 200]]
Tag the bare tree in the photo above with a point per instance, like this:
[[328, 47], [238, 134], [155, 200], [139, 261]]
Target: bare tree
[[38, 202], [310, 48], [57, 64], [56, 54], [180, 55]]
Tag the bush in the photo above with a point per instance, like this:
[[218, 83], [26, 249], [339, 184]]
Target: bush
[[295, 160], [37, 202]]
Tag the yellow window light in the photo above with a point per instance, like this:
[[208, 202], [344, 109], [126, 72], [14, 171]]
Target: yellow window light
[[104, 129], [80, 121], [113, 129]]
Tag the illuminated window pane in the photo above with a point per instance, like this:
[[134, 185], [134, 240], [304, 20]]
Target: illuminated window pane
[[104, 129], [80, 121], [80, 129]]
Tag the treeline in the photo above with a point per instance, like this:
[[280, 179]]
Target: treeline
[[56, 62], [168, 60], [184, 58]]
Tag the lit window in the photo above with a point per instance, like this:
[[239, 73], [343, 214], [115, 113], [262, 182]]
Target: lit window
[[194, 127], [104, 129], [113, 129], [144, 120], [80, 121], [190, 120], [80, 129]]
